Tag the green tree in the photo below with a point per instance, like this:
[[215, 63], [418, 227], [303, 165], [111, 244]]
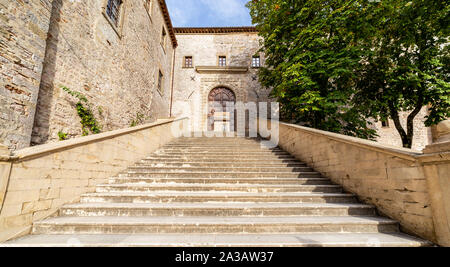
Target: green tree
[[334, 64], [408, 64], [312, 52]]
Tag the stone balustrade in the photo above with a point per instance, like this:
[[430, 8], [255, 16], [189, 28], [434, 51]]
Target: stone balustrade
[[35, 182], [412, 187]]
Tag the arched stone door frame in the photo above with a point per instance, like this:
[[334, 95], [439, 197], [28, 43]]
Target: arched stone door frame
[[218, 97]]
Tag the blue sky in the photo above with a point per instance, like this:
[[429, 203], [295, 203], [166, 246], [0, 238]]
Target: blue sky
[[209, 13]]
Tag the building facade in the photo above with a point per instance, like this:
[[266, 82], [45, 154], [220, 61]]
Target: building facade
[[117, 53], [216, 65], [130, 64]]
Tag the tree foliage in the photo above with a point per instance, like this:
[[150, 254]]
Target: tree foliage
[[407, 67], [327, 59]]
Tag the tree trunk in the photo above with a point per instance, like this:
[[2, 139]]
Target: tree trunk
[[408, 135], [407, 143]]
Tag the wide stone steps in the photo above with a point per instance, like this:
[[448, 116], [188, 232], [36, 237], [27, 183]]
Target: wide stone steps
[[208, 149], [241, 161], [221, 169], [201, 197], [205, 159], [156, 164], [205, 174], [221, 240], [218, 192], [230, 181], [251, 188], [274, 155], [216, 209], [143, 169], [172, 224]]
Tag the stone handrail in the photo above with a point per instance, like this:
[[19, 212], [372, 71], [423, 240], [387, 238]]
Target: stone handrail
[[35, 182], [409, 186]]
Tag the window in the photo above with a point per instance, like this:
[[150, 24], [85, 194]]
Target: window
[[163, 38], [188, 62], [256, 62], [385, 123], [160, 81], [113, 11], [222, 61], [148, 6]]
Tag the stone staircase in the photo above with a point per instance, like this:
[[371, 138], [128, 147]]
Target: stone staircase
[[218, 192]]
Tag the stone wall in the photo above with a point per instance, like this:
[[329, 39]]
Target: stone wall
[[391, 178], [116, 68], [35, 182], [191, 87], [23, 34]]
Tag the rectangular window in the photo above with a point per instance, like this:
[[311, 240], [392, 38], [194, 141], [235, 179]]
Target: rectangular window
[[163, 38], [148, 6], [256, 62], [385, 124], [222, 61], [160, 81], [188, 63], [113, 11]]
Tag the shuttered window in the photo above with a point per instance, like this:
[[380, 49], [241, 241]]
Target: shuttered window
[[222, 61], [113, 11]]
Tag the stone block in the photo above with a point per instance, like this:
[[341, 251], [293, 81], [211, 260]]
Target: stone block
[[36, 206]]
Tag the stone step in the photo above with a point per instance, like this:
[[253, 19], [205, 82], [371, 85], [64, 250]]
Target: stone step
[[252, 188], [202, 196], [210, 146], [216, 164], [214, 140], [141, 169], [230, 174], [219, 144], [216, 209], [231, 181], [221, 240], [221, 154], [237, 149], [219, 161], [171, 224], [203, 159]]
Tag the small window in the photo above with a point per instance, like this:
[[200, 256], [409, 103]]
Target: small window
[[148, 6], [222, 61], [188, 63], [113, 11], [160, 81], [256, 62], [385, 123], [163, 38]]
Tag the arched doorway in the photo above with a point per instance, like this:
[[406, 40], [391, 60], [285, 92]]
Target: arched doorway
[[219, 118]]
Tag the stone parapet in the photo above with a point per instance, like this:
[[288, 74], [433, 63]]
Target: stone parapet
[[436, 164], [35, 182], [410, 186]]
